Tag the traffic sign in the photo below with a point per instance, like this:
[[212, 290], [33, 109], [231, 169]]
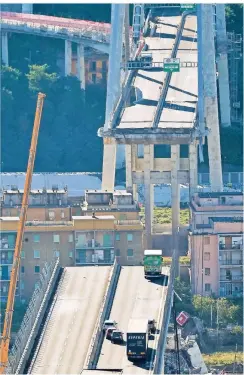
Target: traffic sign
[[171, 65], [182, 318], [187, 6]]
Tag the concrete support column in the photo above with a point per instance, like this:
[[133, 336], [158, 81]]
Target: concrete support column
[[128, 164], [211, 102], [133, 160], [126, 34], [222, 64], [81, 74], [68, 58], [193, 168], [148, 194], [115, 56], [5, 48], [175, 195], [109, 162], [27, 8]]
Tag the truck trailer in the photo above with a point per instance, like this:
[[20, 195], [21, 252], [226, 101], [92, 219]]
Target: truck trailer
[[137, 339], [153, 263]]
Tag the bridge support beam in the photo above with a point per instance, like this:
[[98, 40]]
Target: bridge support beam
[[175, 196], [27, 8], [148, 193], [5, 48], [211, 102], [81, 66], [68, 58], [222, 65], [109, 163], [193, 168]]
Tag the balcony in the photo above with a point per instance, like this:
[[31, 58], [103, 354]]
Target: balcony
[[129, 222], [48, 223], [4, 262], [231, 246], [231, 278], [93, 245], [238, 262]]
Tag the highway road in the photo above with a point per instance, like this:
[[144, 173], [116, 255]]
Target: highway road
[[181, 99], [69, 331], [135, 297], [149, 82]]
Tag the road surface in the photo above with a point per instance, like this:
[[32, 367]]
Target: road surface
[[135, 297], [69, 331], [149, 82]]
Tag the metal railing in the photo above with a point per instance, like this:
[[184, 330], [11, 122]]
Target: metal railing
[[237, 262], [31, 319], [128, 222], [48, 223], [231, 278], [231, 247]]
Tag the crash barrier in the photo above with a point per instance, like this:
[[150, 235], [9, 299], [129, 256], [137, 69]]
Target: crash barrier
[[97, 339], [29, 328], [164, 91], [159, 360]]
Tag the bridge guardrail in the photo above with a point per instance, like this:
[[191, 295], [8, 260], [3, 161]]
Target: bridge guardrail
[[164, 91], [159, 360], [26, 335], [97, 338]]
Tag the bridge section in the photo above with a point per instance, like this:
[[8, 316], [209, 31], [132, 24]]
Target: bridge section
[[66, 336], [135, 297], [91, 34]]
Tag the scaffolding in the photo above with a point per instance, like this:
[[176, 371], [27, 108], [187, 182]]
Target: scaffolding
[[234, 57]]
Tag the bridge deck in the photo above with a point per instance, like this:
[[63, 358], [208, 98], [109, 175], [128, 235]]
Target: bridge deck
[[66, 340], [181, 99], [135, 297], [141, 114]]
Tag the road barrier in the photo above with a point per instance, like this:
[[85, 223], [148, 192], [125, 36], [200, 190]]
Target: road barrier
[[30, 326], [97, 338]]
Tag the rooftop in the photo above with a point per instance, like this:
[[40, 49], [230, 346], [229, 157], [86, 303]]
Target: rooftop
[[237, 219], [107, 217], [39, 191], [219, 194]]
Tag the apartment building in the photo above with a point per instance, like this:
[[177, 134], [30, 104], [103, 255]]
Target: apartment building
[[97, 236], [216, 244]]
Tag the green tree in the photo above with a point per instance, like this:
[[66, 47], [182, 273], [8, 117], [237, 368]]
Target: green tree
[[40, 79]]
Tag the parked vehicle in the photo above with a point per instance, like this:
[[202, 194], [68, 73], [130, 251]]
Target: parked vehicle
[[153, 263], [109, 324], [137, 339], [109, 333], [117, 336]]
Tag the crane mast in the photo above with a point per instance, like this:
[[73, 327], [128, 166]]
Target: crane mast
[[5, 338]]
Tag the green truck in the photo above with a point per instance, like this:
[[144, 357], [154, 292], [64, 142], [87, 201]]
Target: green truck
[[153, 263]]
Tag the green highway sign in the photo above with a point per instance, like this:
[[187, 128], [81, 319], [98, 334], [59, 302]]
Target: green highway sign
[[188, 6], [171, 65]]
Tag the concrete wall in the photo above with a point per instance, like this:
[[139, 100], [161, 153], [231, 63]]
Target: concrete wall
[[163, 240], [123, 245], [40, 213]]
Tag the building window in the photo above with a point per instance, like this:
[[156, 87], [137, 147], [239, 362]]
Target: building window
[[70, 237], [129, 237], [93, 66], [22, 254], [36, 254], [22, 285], [206, 256], [36, 237], [51, 215], [206, 240], [104, 65], [22, 269], [207, 271], [130, 252], [56, 238], [117, 237], [207, 287], [62, 215], [94, 78], [140, 151], [117, 252], [56, 253], [71, 254], [37, 269]]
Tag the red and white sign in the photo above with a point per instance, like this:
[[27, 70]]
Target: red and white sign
[[182, 318]]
